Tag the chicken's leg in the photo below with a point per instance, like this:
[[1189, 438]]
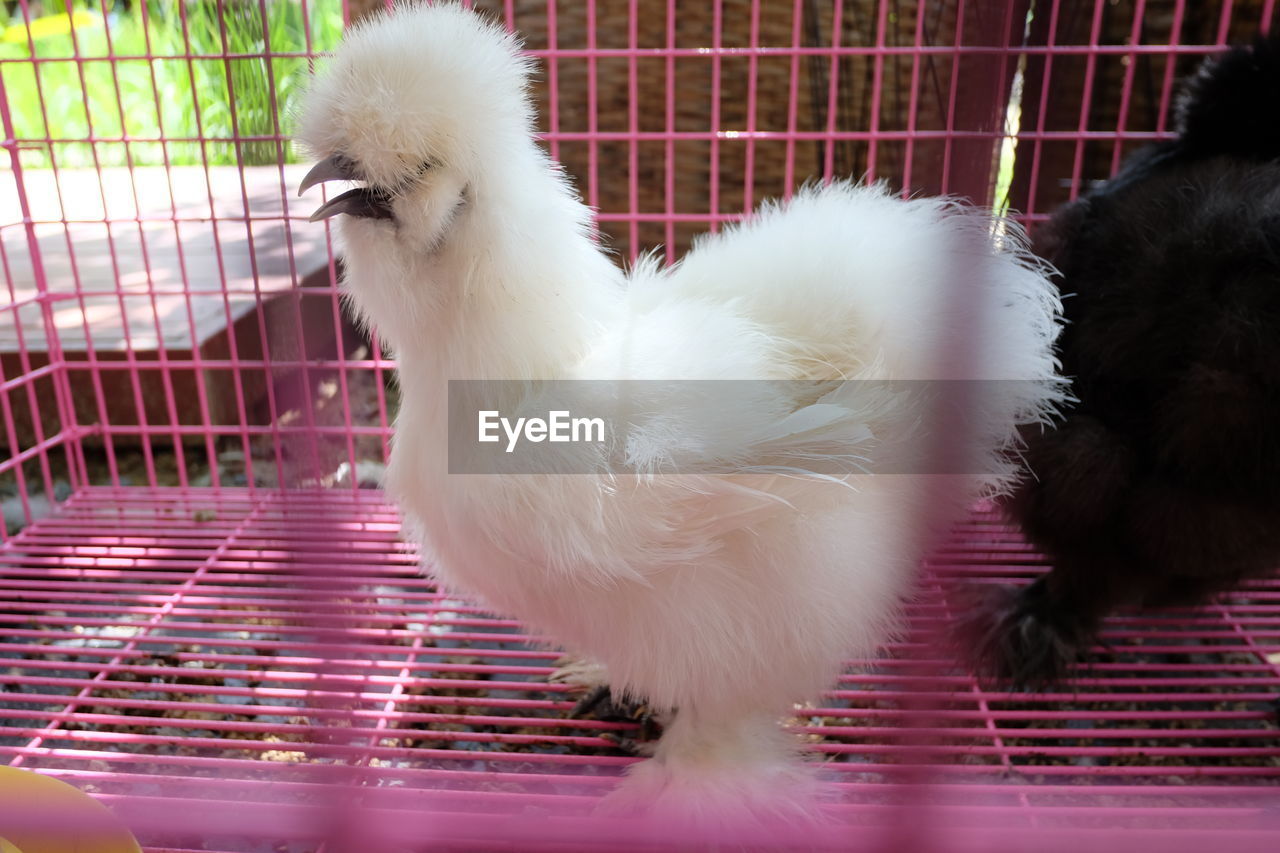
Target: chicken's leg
[[1030, 637], [728, 766]]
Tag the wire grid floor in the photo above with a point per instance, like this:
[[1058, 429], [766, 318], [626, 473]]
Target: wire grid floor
[[180, 651]]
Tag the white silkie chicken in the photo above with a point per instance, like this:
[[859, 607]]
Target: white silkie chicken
[[724, 597]]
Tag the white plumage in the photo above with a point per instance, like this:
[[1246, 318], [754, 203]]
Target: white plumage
[[727, 597]]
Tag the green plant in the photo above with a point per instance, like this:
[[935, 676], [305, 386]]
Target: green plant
[[213, 80]]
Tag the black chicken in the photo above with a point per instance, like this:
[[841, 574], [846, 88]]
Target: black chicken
[[1161, 486]]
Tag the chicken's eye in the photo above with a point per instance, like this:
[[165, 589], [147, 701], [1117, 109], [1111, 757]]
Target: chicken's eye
[[412, 175]]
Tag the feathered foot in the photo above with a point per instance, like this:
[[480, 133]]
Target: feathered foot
[[721, 778], [590, 683], [1013, 637]]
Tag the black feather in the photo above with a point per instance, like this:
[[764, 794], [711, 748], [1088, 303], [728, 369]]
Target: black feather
[[1013, 639], [1161, 486], [1223, 109]]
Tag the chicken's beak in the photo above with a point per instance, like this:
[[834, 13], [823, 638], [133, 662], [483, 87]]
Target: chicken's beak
[[336, 168], [362, 201], [368, 202]]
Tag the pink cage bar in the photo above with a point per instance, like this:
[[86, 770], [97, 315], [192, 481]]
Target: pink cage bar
[[208, 619]]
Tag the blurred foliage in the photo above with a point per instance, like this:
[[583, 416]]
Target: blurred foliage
[[102, 83]]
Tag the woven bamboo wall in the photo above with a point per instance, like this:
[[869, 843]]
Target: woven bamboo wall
[[793, 93], [1098, 108], [959, 126]]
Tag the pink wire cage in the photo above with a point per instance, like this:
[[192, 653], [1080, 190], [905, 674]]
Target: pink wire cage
[[208, 619]]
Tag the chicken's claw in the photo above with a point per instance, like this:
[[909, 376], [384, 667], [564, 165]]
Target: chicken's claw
[[590, 682], [579, 675]]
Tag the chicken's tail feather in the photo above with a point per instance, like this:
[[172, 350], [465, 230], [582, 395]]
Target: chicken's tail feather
[[1231, 106]]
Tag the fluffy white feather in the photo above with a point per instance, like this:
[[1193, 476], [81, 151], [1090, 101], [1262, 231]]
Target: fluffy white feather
[[726, 597]]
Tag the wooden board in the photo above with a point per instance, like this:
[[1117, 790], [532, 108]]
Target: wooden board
[[188, 263]]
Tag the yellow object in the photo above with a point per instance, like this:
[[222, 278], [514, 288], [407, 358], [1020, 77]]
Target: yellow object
[[86, 825], [49, 25]]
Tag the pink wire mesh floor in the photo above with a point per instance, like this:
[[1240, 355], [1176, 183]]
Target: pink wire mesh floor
[[208, 654], [209, 625]]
